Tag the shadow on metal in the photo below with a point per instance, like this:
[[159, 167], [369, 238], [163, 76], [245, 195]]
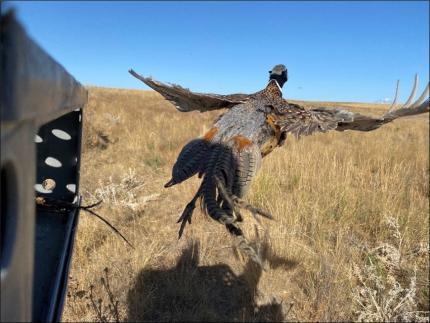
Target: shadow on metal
[[41, 129]]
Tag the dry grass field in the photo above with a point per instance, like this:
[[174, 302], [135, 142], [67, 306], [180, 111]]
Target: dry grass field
[[349, 240]]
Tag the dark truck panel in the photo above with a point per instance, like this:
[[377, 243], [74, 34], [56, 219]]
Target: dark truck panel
[[41, 129]]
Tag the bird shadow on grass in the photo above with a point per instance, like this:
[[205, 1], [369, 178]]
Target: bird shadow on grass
[[189, 292]]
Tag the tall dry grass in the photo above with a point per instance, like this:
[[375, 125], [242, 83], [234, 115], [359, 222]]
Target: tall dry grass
[[349, 240]]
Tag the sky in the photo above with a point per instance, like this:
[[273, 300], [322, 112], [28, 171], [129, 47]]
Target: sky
[[334, 51]]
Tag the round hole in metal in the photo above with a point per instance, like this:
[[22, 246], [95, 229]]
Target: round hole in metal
[[40, 189], [61, 134], [49, 184], [38, 139], [53, 162], [71, 187]]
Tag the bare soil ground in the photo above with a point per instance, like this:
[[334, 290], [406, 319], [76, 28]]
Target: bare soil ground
[[349, 240]]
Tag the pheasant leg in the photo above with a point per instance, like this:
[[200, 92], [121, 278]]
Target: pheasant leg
[[187, 213], [237, 203]]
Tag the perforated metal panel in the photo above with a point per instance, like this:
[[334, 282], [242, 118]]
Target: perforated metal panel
[[58, 156], [57, 177], [41, 126]]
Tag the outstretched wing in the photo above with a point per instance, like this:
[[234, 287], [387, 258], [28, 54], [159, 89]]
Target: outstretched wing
[[295, 119], [186, 101]]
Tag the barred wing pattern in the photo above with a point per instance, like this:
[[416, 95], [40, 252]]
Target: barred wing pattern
[[295, 119], [227, 169], [248, 164], [185, 100], [190, 161], [229, 155]]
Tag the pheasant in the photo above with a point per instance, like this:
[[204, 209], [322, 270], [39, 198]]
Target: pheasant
[[229, 155]]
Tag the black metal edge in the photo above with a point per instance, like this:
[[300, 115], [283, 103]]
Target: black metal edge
[[58, 308], [78, 164], [60, 287], [57, 315], [65, 277], [33, 84]]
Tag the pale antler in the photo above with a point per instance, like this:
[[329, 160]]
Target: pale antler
[[422, 98], [421, 105], [396, 96], [414, 91]]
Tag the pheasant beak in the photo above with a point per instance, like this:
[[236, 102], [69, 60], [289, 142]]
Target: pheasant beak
[[169, 183]]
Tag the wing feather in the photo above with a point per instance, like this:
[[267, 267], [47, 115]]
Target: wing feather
[[185, 100], [297, 120]]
